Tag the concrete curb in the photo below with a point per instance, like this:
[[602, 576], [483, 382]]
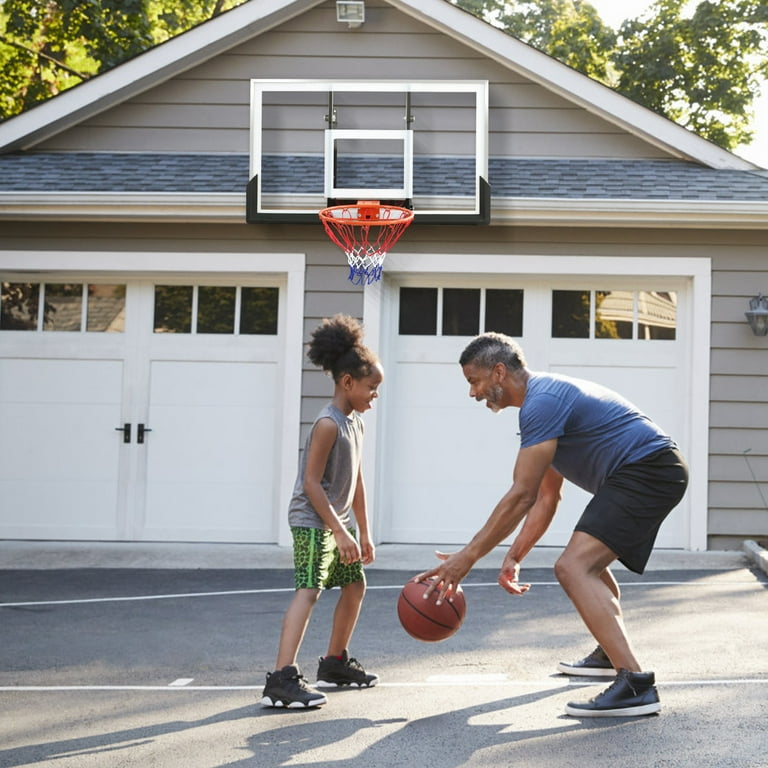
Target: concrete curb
[[756, 554], [412, 558]]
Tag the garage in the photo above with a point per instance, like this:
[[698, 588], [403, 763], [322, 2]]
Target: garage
[[446, 460], [145, 409]]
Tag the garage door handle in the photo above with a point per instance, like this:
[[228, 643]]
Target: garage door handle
[[126, 430], [140, 433]]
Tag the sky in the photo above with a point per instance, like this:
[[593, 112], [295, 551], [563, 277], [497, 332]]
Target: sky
[[613, 12]]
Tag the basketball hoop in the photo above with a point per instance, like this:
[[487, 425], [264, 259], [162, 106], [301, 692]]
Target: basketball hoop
[[365, 231]]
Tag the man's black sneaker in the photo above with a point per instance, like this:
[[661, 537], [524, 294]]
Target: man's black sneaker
[[334, 673], [287, 688], [597, 664], [630, 694]]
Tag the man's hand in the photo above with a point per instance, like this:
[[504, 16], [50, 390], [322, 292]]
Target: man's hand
[[447, 576], [509, 577]]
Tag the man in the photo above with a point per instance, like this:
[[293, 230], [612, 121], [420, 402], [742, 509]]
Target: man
[[582, 432]]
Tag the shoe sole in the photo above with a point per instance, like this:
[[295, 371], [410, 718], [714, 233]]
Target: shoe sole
[[279, 704], [331, 684], [642, 709], [565, 669]]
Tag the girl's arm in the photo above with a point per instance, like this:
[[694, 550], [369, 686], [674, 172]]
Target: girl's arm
[[359, 506]]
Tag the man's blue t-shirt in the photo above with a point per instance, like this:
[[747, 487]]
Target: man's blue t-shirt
[[597, 430]]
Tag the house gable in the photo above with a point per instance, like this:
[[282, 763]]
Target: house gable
[[190, 93]]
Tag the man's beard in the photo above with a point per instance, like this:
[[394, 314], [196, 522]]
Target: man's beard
[[492, 398]]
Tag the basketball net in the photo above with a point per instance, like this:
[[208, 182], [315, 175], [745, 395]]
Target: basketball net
[[365, 232]]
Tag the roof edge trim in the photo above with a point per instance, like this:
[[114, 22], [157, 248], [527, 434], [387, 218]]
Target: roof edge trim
[[223, 207]]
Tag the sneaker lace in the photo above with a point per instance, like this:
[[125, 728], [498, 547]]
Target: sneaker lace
[[299, 679], [622, 678], [598, 654]]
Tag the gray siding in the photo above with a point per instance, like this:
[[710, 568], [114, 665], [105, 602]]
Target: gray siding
[[739, 399], [207, 108]]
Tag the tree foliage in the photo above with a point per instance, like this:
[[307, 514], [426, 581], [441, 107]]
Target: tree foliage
[[702, 69], [47, 46], [569, 30], [699, 63]]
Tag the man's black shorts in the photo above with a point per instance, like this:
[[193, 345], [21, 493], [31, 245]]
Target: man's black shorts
[[627, 511]]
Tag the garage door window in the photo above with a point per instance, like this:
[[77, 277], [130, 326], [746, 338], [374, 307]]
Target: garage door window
[[602, 314], [70, 307], [460, 311], [199, 309]]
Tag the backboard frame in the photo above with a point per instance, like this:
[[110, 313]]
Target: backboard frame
[[475, 210]]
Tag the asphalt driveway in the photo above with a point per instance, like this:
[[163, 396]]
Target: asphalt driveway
[[146, 667]]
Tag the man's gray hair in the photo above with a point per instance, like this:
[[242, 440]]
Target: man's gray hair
[[490, 348]]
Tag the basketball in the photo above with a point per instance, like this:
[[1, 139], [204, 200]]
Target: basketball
[[425, 620]]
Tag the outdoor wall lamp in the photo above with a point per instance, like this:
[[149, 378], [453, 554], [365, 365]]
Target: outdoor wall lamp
[[757, 317], [350, 11]]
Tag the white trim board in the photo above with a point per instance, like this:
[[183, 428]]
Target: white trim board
[[229, 207]]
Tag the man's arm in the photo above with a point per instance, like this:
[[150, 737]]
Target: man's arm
[[530, 468], [535, 526], [540, 515]]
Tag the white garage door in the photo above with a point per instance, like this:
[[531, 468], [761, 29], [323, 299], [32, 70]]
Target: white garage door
[[138, 410], [447, 459]]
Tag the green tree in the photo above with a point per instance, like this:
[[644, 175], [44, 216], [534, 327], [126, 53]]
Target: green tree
[[569, 30], [702, 70], [700, 67], [47, 46]]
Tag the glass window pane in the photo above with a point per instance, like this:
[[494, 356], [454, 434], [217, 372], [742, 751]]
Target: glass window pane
[[656, 315], [570, 314], [461, 311], [418, 311], [173, 309], [106, 308], [614, 314], [215, 309], [504, 311], [63, 307], [258, 310], [19, 303]]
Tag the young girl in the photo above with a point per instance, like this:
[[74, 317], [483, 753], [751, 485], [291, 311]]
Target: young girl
[[328, 486]]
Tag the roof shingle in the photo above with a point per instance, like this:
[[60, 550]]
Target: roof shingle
[[508, 177]]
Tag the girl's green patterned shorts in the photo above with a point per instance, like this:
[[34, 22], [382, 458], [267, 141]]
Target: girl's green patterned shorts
[[316, 561]]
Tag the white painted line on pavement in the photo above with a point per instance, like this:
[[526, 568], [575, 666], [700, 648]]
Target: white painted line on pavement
[[60, 688], [87, 600], [469, 679], [181, 681], [227, 593]]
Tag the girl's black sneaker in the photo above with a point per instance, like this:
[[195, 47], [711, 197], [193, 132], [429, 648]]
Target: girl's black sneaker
[[334, 673], [287, 688]]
